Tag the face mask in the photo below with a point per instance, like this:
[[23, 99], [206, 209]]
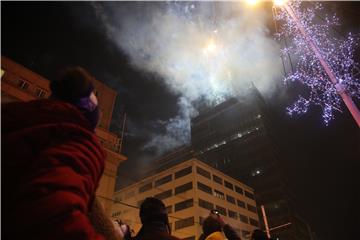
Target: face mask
[[89, 107]]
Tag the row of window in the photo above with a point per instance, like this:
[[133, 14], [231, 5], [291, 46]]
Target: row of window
[[210, 206], [227, 184], [24, 85], [188, 186], [190, 221], [228, 198], [201, 172], [183, 223], [115, 214], [165, 179]]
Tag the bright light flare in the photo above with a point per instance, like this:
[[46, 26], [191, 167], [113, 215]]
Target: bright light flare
[[279, 2], [252, 2], [210, 47]]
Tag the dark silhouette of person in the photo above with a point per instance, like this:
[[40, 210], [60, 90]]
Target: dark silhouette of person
[[214, 227], [154, 220], [257, 234]]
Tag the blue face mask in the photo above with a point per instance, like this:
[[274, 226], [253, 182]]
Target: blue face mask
[[90, 110]]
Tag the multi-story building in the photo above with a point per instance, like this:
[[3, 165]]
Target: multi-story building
[[21, 84], [237, 138], [190, 190]]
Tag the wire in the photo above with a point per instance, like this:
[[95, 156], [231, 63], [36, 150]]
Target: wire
[[132, 206]]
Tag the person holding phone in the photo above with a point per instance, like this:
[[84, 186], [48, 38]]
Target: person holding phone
[[214, 228]]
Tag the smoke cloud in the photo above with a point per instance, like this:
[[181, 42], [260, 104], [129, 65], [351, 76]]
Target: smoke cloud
[[202, 50]]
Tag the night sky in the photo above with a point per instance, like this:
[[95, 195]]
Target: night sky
[[322, 162]]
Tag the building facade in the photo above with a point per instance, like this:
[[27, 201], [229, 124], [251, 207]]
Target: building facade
[[237, 138], [190, 190], [21, 84]]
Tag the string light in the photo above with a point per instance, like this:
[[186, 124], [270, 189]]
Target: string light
[[338, 53]]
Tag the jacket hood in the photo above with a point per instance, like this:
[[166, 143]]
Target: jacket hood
[[21, 115]]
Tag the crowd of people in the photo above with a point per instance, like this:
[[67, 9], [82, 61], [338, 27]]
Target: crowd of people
[[53, 162]]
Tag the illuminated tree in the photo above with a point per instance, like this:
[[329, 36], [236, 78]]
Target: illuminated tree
[[324, 62]]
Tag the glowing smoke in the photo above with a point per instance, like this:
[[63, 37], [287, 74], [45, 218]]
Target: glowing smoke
[[206, 51]]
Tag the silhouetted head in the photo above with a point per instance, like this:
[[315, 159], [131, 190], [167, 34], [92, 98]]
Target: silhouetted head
[[211, 225], [153, 210], [75, 86], [259, 235]]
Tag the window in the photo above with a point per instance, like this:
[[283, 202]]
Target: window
[[221, 210], [163, 180], [183, 188], [249, 195], [243, 218], [115, 214], [164, 195], [230, 199], [183, 172], [183, 223], [169, 209], [23, 84], [189, 238], [219, 194], [184, 204], [239, 190], [241, 203], [229, 185], [201, 220], [232, 214], [254, 222], [204, 188], [217, 179], [145, 187], [203, 172], [129, 194], [40, 93], [251, 208], [205, 204]]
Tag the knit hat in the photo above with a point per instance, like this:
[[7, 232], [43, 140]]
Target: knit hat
[[75, 86], [74, 83]]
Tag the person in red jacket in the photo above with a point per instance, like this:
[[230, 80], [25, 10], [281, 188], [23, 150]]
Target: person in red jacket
[[52, 161]]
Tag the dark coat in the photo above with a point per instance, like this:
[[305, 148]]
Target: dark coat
[[53, 164], [154, 230]]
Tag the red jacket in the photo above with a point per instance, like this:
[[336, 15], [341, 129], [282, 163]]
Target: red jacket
[[53, 164]]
